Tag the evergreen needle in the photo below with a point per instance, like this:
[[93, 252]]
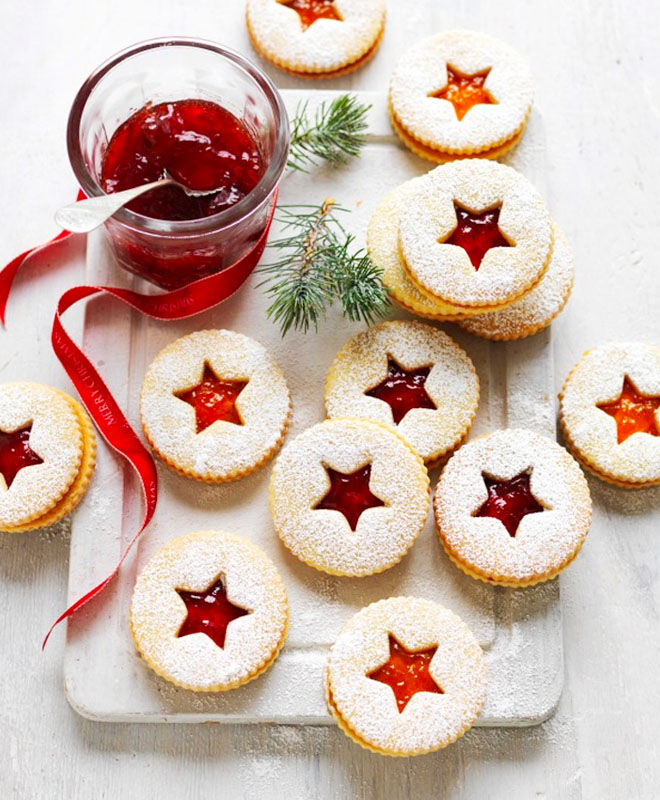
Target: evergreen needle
[[335, 133], [316, 267]]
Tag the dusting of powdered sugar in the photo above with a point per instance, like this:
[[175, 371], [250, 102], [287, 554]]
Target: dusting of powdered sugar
[[537, 308], [368, 707], [545, 541], [422, 71], [223, 449], [194, 562], [323, 538], [596, 379], [452, 383], [56, 437], [445, 270], [327, 45]]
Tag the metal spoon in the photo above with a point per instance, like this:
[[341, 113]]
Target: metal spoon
[[85, 215]]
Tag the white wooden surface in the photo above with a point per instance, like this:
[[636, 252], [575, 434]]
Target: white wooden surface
[[521, 632], [597, 68]]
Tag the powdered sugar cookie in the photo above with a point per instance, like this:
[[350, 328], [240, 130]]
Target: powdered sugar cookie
[[47, 455], [475, 234], [461, 93], [512, 508], [214, 405], [209, 612], [406, 676], [349, 497], [316, 38], [610, 413], [411, 376], [383, 247], [537, 309]]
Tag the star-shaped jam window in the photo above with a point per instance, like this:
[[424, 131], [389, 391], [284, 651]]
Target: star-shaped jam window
[[510, 500], [213, 399], [633, 412], [465, 91], [477, 232], [350, 494], [403, 389], [311, 10], [16, 453], [406, 672], [209, 612]]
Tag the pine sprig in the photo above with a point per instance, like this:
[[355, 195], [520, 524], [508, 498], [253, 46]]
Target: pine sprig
[[316, 267], [335, 133]]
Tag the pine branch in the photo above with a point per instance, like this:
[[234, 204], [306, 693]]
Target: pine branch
[[317, 267], [335, 134]]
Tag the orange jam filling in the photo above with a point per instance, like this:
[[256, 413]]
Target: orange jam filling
[[213, 399], [403, 389], [209, 612], [465, 91], [16, 453], [476, 233], [350, 494], [311, 10], [406, 673], [633, 412]]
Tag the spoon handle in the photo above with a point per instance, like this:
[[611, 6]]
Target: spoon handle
[[85, 215]]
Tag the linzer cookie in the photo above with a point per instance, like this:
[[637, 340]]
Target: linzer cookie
[[410, 376], [47, 455], [349, 497], [405, 677], [537, 309], [610, 413], [476, 234], [316, 38], [214, 405], [512, 508], [209, 612], [459, 94]]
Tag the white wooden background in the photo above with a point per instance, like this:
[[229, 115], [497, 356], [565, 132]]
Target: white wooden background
[[597, 69]]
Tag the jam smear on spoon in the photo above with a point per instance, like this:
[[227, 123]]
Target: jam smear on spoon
[[199, 143]]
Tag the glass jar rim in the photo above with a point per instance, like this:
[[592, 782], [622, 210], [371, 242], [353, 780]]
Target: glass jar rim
[[225, 218]]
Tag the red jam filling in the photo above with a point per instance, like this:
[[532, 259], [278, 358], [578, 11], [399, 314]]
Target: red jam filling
[[199, 143], [311, 10], [213, 399], [464, 91], [509, 501], [403, 389], [16, 453], [406, 673], [477, 233], [209, 612], [633, 412], [350, 494]]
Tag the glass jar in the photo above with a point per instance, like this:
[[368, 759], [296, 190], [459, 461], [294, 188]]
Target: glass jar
[[172, 253]]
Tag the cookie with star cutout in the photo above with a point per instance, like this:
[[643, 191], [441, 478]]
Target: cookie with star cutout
[[610, 413], [316, 38], [459, 94], [512, 508], [209, 612], [47, 456], [476, 234], [214, 405], [406, 676], [410, 376], [349, 497]]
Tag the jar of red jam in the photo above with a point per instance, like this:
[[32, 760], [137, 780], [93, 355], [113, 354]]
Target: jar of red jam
[[195, 111]]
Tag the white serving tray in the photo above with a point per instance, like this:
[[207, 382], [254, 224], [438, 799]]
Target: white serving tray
[[520, 630]]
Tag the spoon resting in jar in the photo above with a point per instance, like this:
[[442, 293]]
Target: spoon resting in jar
[[85, 215]]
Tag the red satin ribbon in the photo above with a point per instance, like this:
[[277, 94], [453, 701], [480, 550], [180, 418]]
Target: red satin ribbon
[[95, 395], [8, 274]]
